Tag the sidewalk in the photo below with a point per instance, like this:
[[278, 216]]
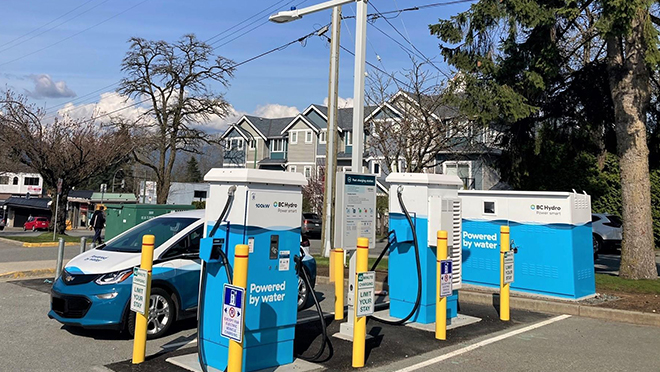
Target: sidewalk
[[27, 269]]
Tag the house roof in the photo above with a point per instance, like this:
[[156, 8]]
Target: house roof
[[271, 128], [304, 119], [33, 203], [344, 115], [272, 161], [81, 194]]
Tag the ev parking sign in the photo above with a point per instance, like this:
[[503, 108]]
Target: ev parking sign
[[446, 277], [232, 312]]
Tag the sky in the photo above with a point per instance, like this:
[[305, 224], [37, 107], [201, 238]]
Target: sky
[[67, 54]]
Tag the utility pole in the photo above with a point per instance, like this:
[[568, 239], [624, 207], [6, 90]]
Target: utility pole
[[331, 134]]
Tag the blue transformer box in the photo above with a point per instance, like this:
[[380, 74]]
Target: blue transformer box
[[433, 204], [265, 215], [552, 231]]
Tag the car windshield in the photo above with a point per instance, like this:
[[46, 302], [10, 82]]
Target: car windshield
[[162, 228]]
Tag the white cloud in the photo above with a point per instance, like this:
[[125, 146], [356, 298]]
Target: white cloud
[[45, 87], [341, 102], [111, 103], [274, 111]]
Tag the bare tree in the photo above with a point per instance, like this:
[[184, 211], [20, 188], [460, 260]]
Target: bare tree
[[414, 123], [313, 192], [174, 79], [71, 150]]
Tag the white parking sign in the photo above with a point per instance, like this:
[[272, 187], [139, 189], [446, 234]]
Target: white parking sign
[[139, 291], [232, 312], [446, 276]]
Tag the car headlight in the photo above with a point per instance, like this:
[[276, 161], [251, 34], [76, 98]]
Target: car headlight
[[114, 278]]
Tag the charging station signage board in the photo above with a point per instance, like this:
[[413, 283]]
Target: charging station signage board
[[356, 209], [446, 278], [139, 299], [233, 306], [508, 267], [366, 284]]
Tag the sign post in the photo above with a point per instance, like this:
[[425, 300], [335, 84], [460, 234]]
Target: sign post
[[57, 205], [443, 282], [140, 302], [504, 285]]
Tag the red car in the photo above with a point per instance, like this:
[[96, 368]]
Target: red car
[[39, 223]]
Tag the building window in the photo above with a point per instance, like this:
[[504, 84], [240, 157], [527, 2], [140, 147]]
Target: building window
[[348, 138], [489, 207], [308, 172], [200, 194], [292, 168], [237, 144], [31, 181], [323, 136], [308, 136], [375, 168], [4, 180], [15, 181], [253, 144], [294, 138], [277, 145], [462, 170]]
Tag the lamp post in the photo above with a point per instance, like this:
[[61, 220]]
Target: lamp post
[[359, 72], [113, 179], [346, 328]]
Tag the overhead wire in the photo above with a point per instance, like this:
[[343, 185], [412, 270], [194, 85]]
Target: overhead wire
[[74, 35], [281, 47], [51, 28], [419, 7], [87, 96]]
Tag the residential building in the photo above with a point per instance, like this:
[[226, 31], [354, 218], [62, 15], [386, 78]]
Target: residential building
[[184, 193]]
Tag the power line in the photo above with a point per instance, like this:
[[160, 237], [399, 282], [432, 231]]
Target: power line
[[52, 28], [420, 7], [88, 95], [417, 52], [301, 39], [74, 35]]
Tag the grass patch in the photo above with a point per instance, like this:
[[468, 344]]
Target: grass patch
[[46, 237], [325, 262], [614, 283]]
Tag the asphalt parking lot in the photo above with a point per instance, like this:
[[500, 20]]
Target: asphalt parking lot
[[531, 341]]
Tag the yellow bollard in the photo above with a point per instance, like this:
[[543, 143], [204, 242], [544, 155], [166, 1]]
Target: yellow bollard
[[360, 324], [140, 338], [504, 287], [235, 358], [441, 302], [338, 270]]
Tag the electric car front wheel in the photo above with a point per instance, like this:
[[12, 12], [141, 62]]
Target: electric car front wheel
[[161, 314], [303, 293]]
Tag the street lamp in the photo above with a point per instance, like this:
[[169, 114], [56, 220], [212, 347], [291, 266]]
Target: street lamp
[[113, 179], [360, 69]]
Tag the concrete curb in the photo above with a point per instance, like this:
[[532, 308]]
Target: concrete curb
[[49, 244], [27, 274], [529, 304], [10, 241]]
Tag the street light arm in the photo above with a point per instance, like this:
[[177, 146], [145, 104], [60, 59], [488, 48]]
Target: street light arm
[[292, 15]]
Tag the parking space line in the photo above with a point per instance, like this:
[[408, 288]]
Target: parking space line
[[179, 344], [483, 343]]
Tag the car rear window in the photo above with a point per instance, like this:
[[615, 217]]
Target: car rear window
[[162, 228], [42, 219], [311, 216], [615, 221]]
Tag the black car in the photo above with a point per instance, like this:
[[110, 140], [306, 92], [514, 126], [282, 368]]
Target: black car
[[311, 225]]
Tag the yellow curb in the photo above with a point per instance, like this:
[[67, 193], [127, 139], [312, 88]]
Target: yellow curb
[[27, 273], [53, 244]]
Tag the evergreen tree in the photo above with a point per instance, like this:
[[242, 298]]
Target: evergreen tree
[[193, 174]]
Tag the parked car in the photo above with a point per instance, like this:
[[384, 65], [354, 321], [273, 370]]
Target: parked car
[[94, 288], [38, 223], [606, 231], [311, 225], [3, 223]]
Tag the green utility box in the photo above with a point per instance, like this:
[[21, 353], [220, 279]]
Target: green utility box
[[121, 217]]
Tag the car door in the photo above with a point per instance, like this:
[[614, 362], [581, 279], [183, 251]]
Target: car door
[[183, 256]]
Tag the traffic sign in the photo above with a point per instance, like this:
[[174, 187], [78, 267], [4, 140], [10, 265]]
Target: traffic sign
[[366, 283], [446, 278], [139, 299], [508, 267], [233, 307]]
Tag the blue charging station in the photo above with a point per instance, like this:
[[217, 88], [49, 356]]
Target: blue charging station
[[432, 203], [552, 231], [262, 210]]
